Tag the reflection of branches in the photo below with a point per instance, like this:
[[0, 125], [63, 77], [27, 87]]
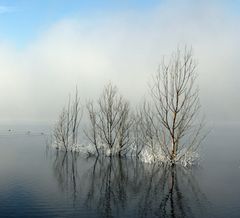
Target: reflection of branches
[[108, 186], [112, 186], [174, 192], [66, 172]]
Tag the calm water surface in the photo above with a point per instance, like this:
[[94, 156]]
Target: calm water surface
[[40, 182]]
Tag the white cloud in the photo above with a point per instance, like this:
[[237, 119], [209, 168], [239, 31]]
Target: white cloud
[[125, 49]]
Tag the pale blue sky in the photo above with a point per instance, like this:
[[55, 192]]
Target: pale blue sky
[[22, 20]]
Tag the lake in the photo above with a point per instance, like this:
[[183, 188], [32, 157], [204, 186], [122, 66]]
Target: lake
[[37, 181]]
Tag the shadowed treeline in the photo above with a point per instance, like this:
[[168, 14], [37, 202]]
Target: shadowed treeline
[[115, 187]]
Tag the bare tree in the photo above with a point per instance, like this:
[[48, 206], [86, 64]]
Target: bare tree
[[176, 104], [113, 118], [65, 132], [147, 128], [76, 115], [138, 138], [61, 130], [92, 131], [125, 125]]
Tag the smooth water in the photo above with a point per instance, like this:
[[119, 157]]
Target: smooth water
[[39, 182]]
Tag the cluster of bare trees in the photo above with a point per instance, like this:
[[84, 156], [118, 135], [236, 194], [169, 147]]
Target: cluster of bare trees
[[166, 127]]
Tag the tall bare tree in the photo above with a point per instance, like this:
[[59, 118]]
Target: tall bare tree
[[176, 102], [113, 115], [75, 116]]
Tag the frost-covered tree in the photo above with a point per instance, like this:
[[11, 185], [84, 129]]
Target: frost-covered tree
[[61, 132], [91, 131], [65, 132], [113, 120], [176, 106]]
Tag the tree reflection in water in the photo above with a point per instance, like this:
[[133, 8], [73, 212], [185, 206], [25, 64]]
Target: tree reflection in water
[[115, 187]]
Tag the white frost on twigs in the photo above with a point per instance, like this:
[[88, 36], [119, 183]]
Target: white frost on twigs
[[186, 158]]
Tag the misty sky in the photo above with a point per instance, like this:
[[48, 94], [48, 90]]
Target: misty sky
[[47, 47]]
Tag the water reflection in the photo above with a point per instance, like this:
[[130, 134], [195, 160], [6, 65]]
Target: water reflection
[[66, 172], [113, 187]]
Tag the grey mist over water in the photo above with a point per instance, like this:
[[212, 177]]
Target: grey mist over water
[[38, 181]]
